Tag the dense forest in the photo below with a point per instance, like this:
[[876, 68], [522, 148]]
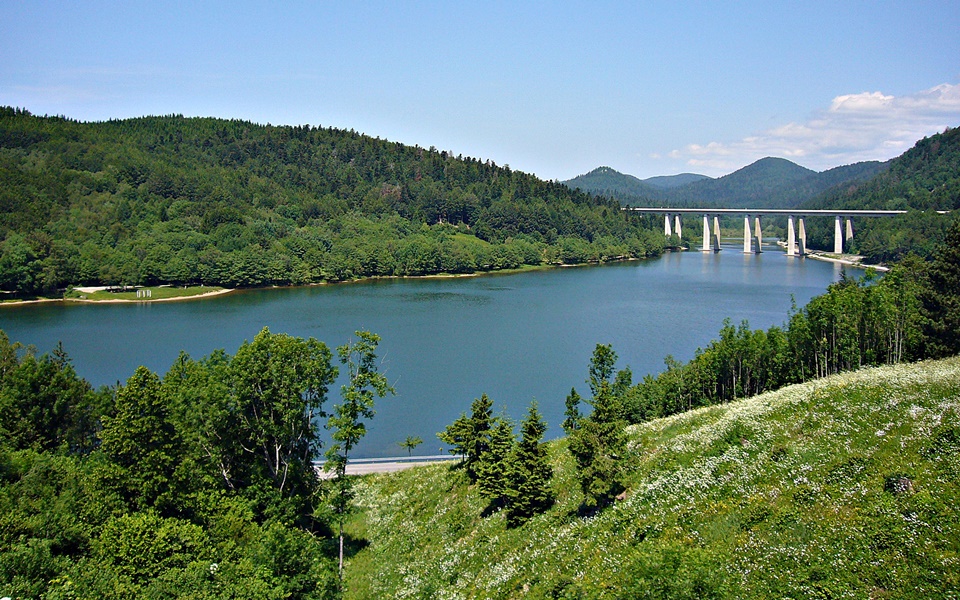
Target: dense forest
[[200, 483], [208, 201], [923, 180]]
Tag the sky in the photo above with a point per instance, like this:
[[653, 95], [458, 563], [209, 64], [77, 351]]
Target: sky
[[551, 88]]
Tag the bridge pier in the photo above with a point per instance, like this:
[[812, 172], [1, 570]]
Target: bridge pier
[[849, 235], [706, 233], [802, 235], [666, 225], [716, 233], [677, 226], [751, 241], [758, 235], [837, 237], [791, 238]]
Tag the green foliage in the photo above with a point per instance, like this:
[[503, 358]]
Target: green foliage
[[768, 183], [941, 298], [470, 436], [161, 491], [923, 180], [856, 323], [528, 490], [411, 443], [231, 203], [281, 384], [842, 487], [44, 405], [598, 443], [347, 421], [571, 413], [495, 465], [141, 445]]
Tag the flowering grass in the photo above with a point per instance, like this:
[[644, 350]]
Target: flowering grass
[[846, 487]]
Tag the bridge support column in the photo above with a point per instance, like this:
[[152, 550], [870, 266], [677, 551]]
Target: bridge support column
[[758, 236], [747, 237], [837, 236], [849, 232], [716, 233], [666, 226], [791, 238], [677, 226], [706, 233], [802, 235]]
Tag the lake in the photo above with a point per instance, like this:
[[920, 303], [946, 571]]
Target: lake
[[516, 337]]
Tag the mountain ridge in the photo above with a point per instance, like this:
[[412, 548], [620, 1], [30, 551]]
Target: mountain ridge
[[770, 182]]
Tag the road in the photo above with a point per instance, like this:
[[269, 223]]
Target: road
[[365, 466]]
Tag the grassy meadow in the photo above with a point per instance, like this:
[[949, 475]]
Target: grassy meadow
[[845, 487]]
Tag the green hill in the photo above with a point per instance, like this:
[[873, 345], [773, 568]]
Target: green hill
[[674, 181], [225, 202], [766, 183], [924, 179], [842, 487], [604, 181]]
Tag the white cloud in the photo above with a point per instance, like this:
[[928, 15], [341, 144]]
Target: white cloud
[[855, 127]]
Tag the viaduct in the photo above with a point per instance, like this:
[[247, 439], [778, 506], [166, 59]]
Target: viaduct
[[796, 236]]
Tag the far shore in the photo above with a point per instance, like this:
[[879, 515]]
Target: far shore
[[850, 260], [92, 289], [846, 259]]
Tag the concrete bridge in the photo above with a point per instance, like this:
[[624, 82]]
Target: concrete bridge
[[796, 231]]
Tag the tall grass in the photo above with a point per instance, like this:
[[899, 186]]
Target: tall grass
[[845, 487]]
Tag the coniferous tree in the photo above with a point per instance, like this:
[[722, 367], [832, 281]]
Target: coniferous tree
[[494, 466], [572, 413], [528, 488], [941, 299], [599, 444], [470, 436], [141, 444]]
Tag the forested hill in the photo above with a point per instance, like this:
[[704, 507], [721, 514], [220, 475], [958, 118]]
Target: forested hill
[[767, 183], [201, 200], [608, 182], [924, 179]]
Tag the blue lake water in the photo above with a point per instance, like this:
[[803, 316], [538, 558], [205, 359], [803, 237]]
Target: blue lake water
[[516, 337]]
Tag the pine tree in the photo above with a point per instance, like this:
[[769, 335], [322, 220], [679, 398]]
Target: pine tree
[[529, 492], [941, 299], [572, 413], [599, 444], [470, 436], [493, 467]]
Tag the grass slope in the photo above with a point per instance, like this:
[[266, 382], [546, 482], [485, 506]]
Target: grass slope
[[847, 487]]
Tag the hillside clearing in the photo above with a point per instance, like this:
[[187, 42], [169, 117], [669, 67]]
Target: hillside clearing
[[842, 487]]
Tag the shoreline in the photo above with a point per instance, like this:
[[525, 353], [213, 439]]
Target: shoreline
[[116, 300], [850, 261], [207, 295]]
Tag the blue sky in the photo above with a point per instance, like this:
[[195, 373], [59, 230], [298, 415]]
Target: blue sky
[[556, 89]]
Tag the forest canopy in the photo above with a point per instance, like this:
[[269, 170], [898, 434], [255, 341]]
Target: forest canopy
[[179, 200]]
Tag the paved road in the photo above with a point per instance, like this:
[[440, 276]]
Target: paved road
[[365, 466]]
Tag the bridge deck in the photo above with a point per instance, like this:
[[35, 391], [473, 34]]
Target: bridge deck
[[768, 211]]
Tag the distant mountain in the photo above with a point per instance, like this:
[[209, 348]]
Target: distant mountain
[[604, 181], [767, 183], [674, 181]]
